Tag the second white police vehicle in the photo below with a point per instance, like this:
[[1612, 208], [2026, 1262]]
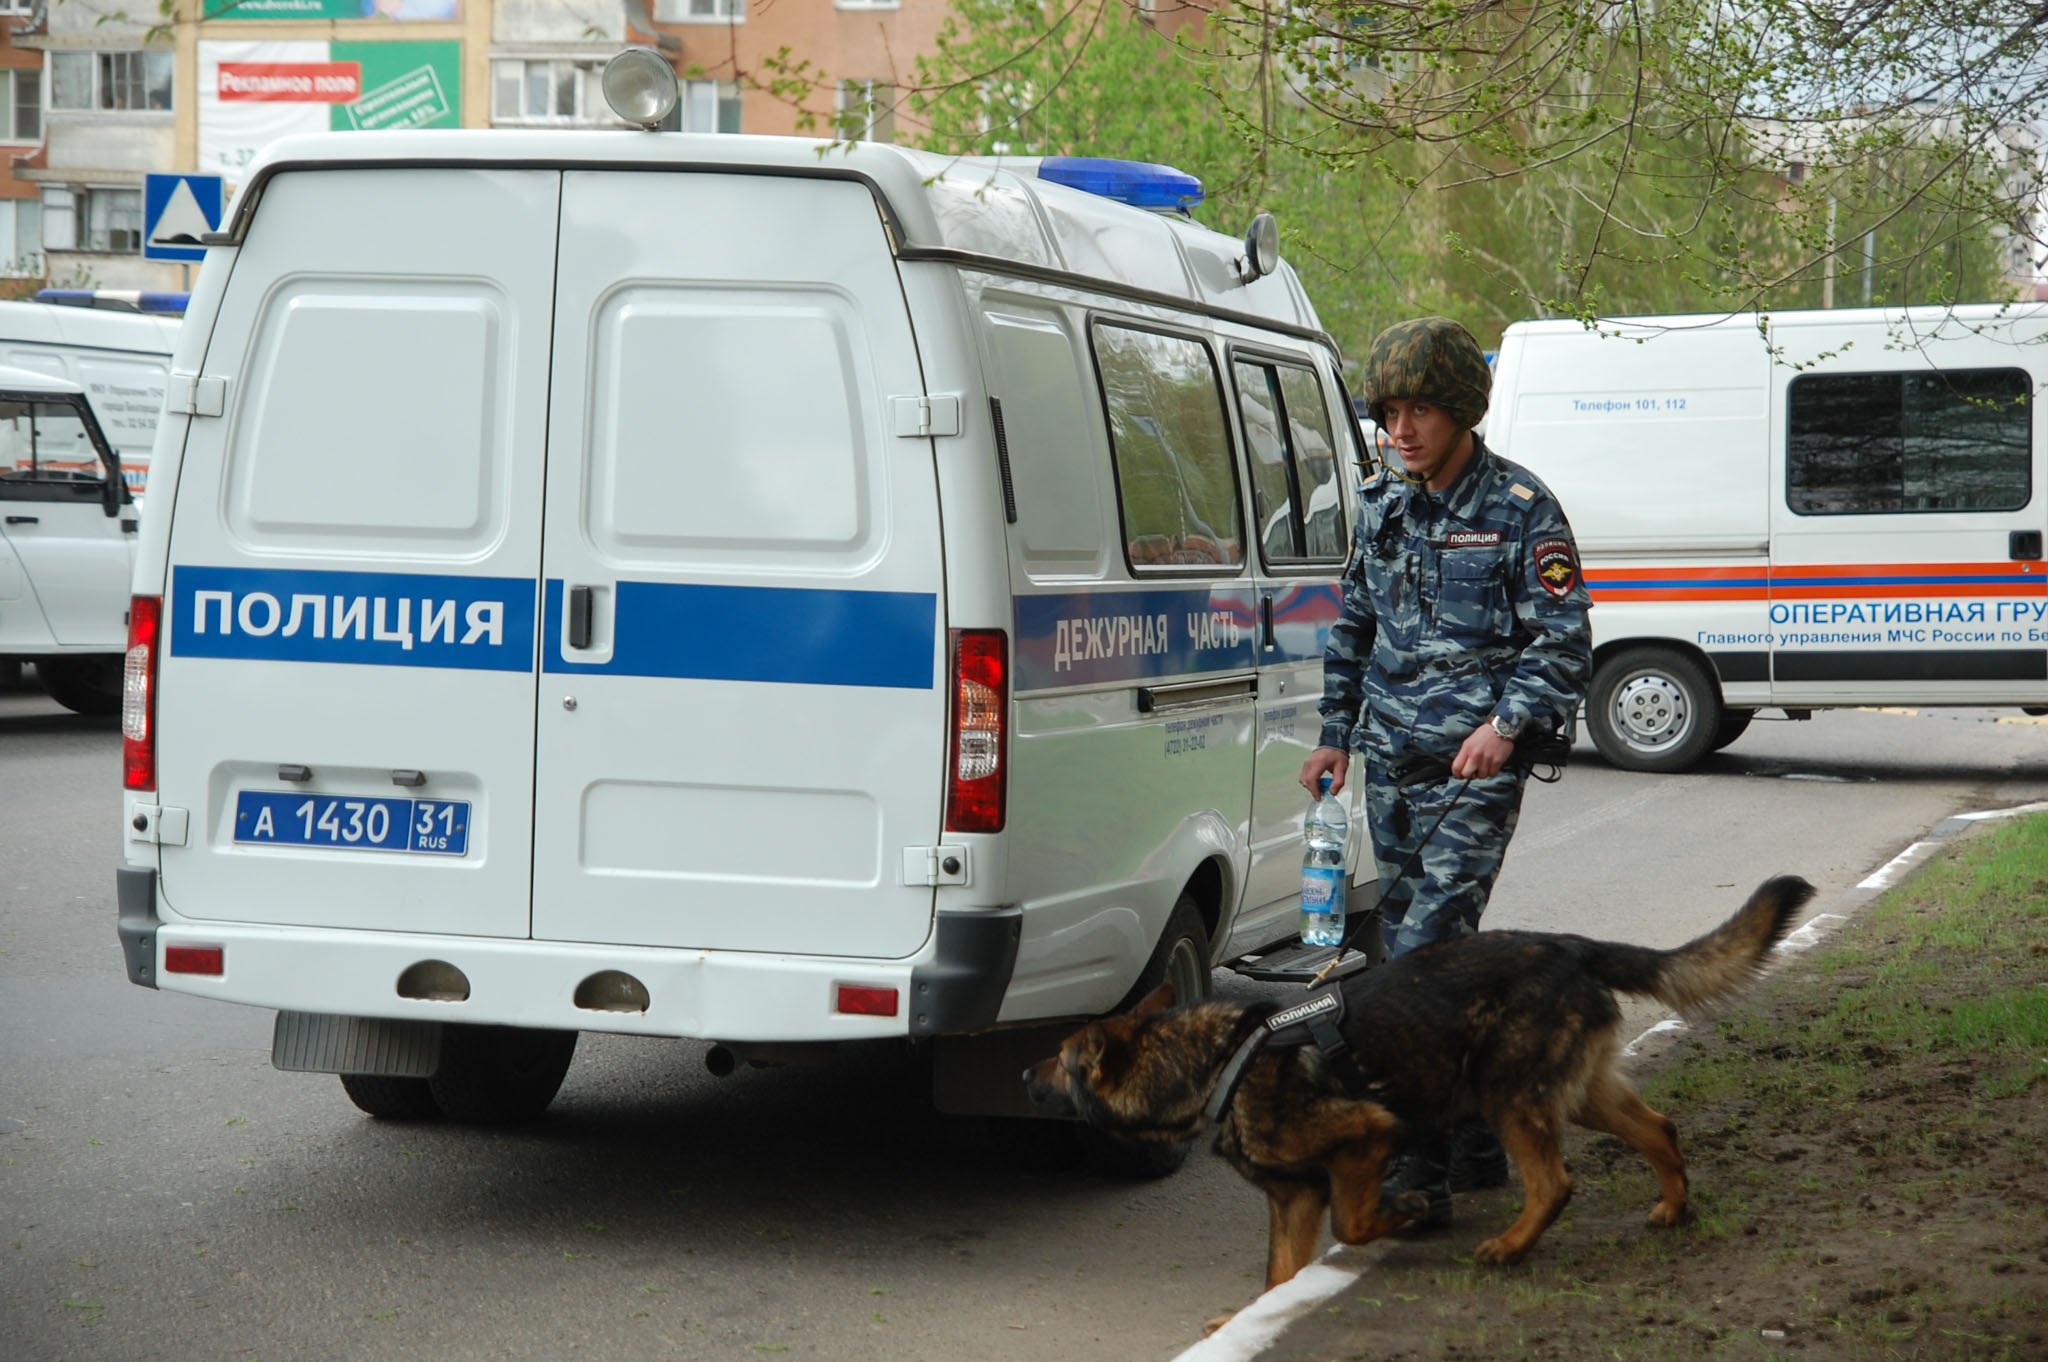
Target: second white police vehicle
[[1797, 511], [693, 586]]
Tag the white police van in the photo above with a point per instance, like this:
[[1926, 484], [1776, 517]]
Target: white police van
[[700, 587], [67, 542], [120, 359], [1801, 510]]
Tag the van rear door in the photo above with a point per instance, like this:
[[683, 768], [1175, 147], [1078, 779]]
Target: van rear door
[[742, 723], [345, 700]]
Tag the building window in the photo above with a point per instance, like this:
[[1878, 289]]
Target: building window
[[1169, 442], [21, 237], [104, 220], [128, 81], [700, 11], [1951, 440], [865, 111], [553, 90], [711, 106], [21, 106]]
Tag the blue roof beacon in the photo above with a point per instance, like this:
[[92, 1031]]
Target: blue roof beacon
[[1142, 184]]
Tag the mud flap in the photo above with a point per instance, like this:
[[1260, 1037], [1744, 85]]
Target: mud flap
[[315, 1043]]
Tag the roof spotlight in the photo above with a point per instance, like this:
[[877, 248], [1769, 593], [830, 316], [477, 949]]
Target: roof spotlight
[[640, 86], [1261, 248]]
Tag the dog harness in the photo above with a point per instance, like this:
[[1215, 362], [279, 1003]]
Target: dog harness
[[1319, 1021]]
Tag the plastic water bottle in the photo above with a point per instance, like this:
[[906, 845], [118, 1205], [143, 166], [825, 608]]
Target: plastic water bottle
[[1322, 871]]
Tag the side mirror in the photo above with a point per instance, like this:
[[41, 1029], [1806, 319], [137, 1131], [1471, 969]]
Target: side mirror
[[1261, 249], [114, 492]]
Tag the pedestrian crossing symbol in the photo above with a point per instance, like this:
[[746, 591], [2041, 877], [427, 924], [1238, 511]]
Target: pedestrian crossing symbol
[[177, 211]]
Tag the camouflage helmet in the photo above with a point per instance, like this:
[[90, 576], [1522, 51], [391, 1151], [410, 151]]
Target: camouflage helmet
[[1429, 359]]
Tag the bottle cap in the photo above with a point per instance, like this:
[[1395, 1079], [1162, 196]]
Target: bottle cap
[[1323, 785]]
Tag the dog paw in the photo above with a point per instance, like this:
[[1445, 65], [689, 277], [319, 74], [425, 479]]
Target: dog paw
[[1499, 1250], [1217, 1323], [1409, 1205], [1664, 1213]]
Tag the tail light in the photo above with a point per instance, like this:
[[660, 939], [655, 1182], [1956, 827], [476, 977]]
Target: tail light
[[981, 695], [138, 694]]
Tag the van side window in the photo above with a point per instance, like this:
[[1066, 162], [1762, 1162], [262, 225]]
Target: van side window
[[1171, 446], [1954, 440], [1296, 491]]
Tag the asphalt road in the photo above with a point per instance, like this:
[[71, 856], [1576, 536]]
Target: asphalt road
[[166, 1194]]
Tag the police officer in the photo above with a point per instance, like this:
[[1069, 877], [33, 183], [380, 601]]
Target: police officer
[[1463, 634]]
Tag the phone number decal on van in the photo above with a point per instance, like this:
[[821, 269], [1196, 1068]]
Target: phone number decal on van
[[437, 827], [388, 619]]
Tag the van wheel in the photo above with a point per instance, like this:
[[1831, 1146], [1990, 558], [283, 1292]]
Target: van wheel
[[84, 685], [391, 1099], [491, 1075], [1181, 957], [1653, 709], [1733, 722]]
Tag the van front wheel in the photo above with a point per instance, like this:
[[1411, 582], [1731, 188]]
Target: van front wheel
[[1653, 709]]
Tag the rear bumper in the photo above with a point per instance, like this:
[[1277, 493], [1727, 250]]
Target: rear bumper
[[956, 983]]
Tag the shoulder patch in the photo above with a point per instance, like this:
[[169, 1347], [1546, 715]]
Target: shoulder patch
[[1525, 493], [1557, 567]]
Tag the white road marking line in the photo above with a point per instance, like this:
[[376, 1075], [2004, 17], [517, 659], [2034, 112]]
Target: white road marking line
[[1882, 877], [1254, 1328], [1808, 936], [2013, 812]]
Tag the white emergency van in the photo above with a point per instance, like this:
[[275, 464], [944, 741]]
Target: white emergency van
[[1795, 511], [717, 587], [119, 358], [67, 542]]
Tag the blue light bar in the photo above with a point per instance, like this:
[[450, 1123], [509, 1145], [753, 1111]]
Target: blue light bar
[[117, 300], [1138, 183]]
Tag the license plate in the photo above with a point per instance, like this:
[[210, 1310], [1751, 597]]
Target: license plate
[[435, 827]]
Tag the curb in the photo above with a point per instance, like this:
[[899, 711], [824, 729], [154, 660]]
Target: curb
[[1259, 1325]]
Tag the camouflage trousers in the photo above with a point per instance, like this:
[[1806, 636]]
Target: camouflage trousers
[[1438, 892]]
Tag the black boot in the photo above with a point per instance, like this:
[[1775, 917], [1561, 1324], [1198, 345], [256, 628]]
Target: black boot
[[1477, 1160], [1422, 1170]]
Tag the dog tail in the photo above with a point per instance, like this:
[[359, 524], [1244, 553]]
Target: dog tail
[[1708, 969]]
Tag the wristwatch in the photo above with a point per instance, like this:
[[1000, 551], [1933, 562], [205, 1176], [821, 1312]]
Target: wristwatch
[[1504, 728]]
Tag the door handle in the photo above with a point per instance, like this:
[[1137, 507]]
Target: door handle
[[1266, 618], [24, 520], [2023, 545], [579, 616]]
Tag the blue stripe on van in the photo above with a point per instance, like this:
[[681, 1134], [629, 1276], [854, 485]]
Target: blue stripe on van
[[794, 635], [379, 619]]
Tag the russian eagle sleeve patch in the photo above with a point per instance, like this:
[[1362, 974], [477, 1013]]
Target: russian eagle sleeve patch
[[1557, 567]]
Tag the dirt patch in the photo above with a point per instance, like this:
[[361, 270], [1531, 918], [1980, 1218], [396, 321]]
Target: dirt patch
[[1868, 1146]]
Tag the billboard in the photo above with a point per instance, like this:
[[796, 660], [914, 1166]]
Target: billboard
[[252, 93], [334, 9]]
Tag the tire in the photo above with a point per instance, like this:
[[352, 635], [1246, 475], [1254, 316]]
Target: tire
[[391, 1099], [492, 1075], [1653, 709], [84, 685], [1732, 725], [1182, 956]]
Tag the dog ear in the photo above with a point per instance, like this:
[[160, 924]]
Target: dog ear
[[1090, 1044], [1158, 1000]]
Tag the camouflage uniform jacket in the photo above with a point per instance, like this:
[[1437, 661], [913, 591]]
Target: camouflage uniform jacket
[[1457, 605]]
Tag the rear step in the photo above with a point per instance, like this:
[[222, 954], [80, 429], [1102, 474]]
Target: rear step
[[1299, 964]]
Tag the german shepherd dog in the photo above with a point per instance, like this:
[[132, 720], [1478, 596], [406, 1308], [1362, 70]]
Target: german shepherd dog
[[1520, 1028]]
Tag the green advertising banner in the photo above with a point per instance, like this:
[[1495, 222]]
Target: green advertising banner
[[405, 85], [333, 9]]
